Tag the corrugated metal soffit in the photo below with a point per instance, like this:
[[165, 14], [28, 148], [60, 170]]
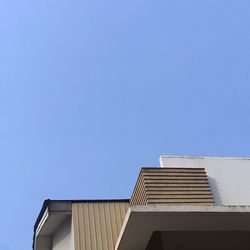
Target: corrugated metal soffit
[[172, 186], [98, 224]]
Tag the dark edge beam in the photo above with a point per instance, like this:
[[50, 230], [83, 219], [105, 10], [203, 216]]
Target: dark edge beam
[[44, 207]]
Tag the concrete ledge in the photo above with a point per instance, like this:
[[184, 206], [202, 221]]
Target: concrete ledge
[[157, 208], [141, 221]]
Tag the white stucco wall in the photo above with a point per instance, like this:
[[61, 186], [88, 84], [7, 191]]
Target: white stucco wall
[[63, 238], [229, 178]]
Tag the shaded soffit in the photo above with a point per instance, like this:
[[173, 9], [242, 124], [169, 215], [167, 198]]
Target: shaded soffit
[[141, 221]]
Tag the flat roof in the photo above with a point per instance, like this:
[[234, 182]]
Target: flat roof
[[205, 157]]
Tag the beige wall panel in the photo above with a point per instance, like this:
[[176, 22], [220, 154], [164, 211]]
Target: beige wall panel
[[97, 224]]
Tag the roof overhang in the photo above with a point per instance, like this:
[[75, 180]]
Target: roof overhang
[[141, 221], [53, 213]]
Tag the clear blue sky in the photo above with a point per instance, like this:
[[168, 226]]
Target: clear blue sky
[[91, 90]]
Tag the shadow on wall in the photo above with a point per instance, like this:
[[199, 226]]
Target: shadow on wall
[[62, 236], [215, 191]]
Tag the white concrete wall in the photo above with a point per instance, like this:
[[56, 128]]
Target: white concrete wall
[[63, 238], [229, 178]]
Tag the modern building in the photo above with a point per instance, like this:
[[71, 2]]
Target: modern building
[[188, 203]]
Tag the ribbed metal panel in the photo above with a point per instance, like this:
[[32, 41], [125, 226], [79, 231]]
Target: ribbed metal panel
[[172, 185], [97, 224]]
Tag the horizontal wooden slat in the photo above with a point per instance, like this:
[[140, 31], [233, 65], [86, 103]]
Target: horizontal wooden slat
[[148, 178], [167, 170], [174, 192], [172, 185], [179, 185], [177, 181], [191, 200], [201, 174], [181, 202], [180, 196]]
